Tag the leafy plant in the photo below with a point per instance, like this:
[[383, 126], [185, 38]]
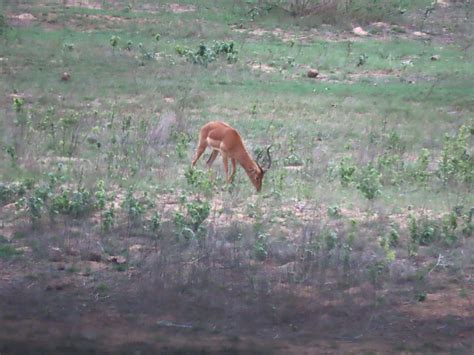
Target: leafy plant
[[81, 202], [68, 46], [155, 222], [198, 211], [182, 144], [75, 203], [18, 103], [420, 171], [199, 181], [3, 23], [134, 208], [423, 231], [457, 162], [100, 195], [59, 204], [385, 243], [293, 159], [392, 167], [11, 192], [190, 222], [35, 203], [334, 211], [8, 251], [206, 54], [107, 218], [347, 171], [11, 152], [69, 134], [114, 40], [369, 182], [145, 53], [330, 239], [260, 247]]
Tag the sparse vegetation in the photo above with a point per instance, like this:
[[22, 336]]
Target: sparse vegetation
[[365, 220]]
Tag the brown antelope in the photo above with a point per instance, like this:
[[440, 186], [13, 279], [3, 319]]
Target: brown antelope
[[224, 139]]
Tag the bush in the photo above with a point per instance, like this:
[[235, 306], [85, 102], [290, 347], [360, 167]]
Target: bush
[[447, 229], [347, 171], [189, 219], [420, 171], [260, 247], [457, 161], [3, 23], [368, 182], [9, 193], [134, 208], [207, 54]]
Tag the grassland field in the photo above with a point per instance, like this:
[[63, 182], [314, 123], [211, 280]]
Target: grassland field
[[361, 240]]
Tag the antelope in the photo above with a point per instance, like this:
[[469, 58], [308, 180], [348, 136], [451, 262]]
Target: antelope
[[224, 139]]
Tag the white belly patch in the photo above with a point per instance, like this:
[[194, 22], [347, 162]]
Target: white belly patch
[[214, 144]]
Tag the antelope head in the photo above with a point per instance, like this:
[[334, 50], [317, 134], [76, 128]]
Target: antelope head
[[263, 164]]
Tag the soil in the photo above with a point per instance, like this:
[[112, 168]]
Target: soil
[[66, 294]]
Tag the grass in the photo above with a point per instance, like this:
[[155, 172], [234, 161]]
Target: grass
[[100, 154], [8, 251]]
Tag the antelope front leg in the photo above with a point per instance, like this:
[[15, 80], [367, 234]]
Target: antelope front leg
[[212, 157], [233, 169], [198, 155], [225, 160]]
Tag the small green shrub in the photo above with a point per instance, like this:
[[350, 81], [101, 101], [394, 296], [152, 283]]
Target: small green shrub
[[8, 251], [391, 166], [59, 204], [334, 211], [447, 229], [205, 54], [3, 23], [81, 202], [369, 182], [293, 158], [457, 161], [68, 46], [18, 103], [420, 171], [11, 152], [386, 245], [34, 205], [145, 54], [107, 217], [198, 211], [347, 171], [10, 193], [155, 222], [423, 231], [68, 134], [199, 181], [395, 143], [190, 218], [114, 41], [393, 237], [260, 247], [182, 144], [330, 239], [100, 195], [134, 208]]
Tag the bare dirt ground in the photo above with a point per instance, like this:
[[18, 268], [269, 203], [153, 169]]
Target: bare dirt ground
[[67, 293]]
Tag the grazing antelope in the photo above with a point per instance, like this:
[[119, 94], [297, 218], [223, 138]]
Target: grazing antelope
[[224, 139]]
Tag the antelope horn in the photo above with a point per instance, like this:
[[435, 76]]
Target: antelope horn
[[269, 157], [259, 156]]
